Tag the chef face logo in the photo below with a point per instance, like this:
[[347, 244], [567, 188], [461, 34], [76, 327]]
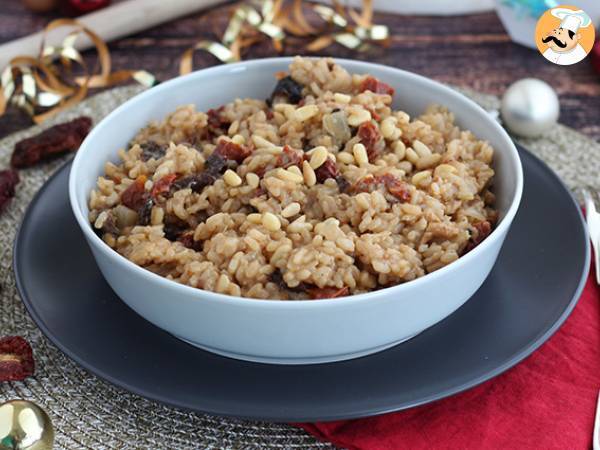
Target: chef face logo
[[564, 35]]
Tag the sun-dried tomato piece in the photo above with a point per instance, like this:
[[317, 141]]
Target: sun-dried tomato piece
[[152, 150], [326, 292], [328, 169], [8, 181], [374, 114], [377, 87], [289, 157], [135, 195], [289, 89], [370, 137], [365, 184], [231, 150], [56, 140], [16, 359], [163, 185], [398, 188], [216, 119], [482, 230], [137, 198]]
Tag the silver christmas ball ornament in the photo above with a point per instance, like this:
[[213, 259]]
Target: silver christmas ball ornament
[[530, 107]]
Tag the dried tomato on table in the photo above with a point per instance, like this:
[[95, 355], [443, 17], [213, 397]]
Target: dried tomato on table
[[16, 359], [56, 140], [377, 87], [8, 181]]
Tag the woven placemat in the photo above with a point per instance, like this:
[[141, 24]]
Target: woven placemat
[[89, 413]]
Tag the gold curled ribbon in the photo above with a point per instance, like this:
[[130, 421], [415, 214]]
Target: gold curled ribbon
[[251, 21], [45, 85], [245, 27]]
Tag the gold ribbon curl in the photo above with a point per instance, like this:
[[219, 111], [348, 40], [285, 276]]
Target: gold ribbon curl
[[45, 85], [275, 19]]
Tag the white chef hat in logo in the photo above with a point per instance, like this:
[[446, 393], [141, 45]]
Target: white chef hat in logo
[[572, 20]]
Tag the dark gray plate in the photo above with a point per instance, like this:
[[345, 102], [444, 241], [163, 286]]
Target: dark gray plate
[[530, 292]]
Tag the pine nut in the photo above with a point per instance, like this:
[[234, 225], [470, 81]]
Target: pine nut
[[360, 154], [421, 149], [261, 142], [345, 157], [388, 127], [411, 155], [295, 170], [427, 161], [306, 112], [444, 170], [238, 139], [254, 218], [400, 149], [232, 178], [271, 222], [421, 178], [358, 116], [289, 176], [291, 210], [252, 179], [310, 178], [318, 157], [342, 98]]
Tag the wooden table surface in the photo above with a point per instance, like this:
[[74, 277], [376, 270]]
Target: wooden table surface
[[472, 51]]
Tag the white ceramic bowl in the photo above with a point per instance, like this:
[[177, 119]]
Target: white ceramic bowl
[[291, 332]]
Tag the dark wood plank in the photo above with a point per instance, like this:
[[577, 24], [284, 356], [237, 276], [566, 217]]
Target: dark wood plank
[[472, 51]]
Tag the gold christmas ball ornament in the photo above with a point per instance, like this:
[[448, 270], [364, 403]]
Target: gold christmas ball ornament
[[25, 426]]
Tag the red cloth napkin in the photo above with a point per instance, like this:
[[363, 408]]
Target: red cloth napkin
[[546, 402]]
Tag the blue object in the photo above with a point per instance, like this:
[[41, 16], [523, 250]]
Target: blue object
[[531, 8]]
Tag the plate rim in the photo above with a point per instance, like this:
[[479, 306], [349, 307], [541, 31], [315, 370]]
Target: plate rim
[[519, 357]]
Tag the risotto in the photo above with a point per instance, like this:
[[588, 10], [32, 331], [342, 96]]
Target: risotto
[[323, 190]]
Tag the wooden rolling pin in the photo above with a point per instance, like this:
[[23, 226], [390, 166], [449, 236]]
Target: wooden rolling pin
[[122, 19]]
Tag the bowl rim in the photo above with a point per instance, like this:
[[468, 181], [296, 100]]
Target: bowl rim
[[205, 295]]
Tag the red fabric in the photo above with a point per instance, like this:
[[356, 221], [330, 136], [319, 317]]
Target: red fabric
[[546, 402]]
